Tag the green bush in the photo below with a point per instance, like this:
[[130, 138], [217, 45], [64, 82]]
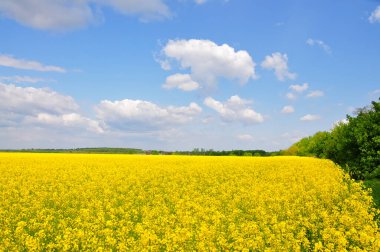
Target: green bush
[[354, 144]]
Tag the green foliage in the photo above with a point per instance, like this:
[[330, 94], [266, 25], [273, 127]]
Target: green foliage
[[211, 152], [358, 143], [374, 184], [311, 146], [355, 144]]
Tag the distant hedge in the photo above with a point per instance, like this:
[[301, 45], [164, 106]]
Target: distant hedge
[[100, 150]]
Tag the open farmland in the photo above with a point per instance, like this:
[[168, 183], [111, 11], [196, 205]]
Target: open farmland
[[134, 202]]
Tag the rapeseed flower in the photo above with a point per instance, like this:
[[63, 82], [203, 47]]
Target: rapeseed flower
[[79, 202]]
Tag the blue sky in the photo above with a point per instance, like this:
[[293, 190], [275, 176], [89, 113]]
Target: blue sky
[[183, 74]]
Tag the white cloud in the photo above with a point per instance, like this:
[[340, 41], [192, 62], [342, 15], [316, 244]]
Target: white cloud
[[10, 61], [146, 9], [320, 43], [144, 115], [65, 120], [316, 93], [69, 14], [279, 63], [180, 81], [342, 121], [165, 64], [208, 61], [21, 79], [299, 88], [22, 106], [48, 14], [375, 15], [245, 137], [291, 96], [29, 100], [235, 109], [287, 109], [310, 117]]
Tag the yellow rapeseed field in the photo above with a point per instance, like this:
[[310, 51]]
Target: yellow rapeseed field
[[80, 202]]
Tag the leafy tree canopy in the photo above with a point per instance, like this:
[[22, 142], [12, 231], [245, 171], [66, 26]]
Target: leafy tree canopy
[[353, 144]]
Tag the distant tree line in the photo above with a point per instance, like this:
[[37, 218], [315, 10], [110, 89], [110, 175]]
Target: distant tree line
[[211, 152], [194, 152], [354, 144], [100, 150]]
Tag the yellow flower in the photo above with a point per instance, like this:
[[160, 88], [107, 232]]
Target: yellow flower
[[80, 202]]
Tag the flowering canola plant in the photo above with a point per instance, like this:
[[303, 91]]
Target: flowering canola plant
[[90, 202]]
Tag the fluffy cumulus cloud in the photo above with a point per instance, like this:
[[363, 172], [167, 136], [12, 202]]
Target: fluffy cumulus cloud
[[209, 61], [245, 137], [30, 100], [10, 61], [235, 109], [315, 93], [22, 106], [320, 43], [287, 109], [70, 14], [180, 81], [299, 88], [375, 15], [309, 117], [138, 115], [279, 63], [71, 120]]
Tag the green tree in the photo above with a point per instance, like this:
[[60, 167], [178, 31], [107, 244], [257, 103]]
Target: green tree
[[319, 144], [354, 144], [361, 142]]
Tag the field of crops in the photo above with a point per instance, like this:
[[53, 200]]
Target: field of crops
[[157, 203]]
